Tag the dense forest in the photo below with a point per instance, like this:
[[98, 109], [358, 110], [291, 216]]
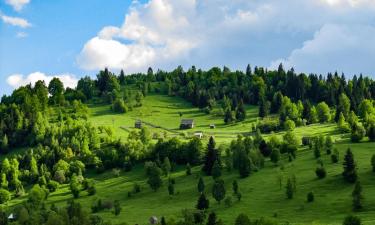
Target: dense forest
[[60, 145]]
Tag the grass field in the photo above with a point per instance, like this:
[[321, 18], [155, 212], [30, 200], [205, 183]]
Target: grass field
[[262, 195], [164, 111]]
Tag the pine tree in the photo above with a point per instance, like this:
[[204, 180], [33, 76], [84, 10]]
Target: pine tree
[[211, 219], [203, 203], [171, 188], [350, 170], [166, 166], [200, 185], [289, 189], [244, 165], [188, 169], [154, 179], [218, 190], [4, 144], [228, 117], [216, 170], [357, 196], [241, 111], [211, 156], [235, 187]]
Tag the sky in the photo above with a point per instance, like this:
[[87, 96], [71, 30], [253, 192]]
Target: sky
[[70, 39]]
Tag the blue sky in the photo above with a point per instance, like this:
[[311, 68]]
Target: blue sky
[[71, 38]]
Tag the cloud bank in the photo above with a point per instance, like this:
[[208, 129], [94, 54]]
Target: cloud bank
[[18, 80]]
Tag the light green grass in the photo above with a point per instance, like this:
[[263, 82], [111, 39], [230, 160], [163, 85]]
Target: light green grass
[[262, 196], [163, 111]]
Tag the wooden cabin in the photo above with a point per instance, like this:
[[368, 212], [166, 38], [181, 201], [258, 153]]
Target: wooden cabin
[[138, 124], [187, 124]]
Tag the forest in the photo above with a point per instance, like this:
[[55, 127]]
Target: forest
[[278, 147]]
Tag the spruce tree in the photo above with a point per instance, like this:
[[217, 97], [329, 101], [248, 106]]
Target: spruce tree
[[211, 156], [244, 164], [203, 203], [241, 111], [154, 179], [4, 144], [350, 170], [235, 187], [216, 170], [357, 196], [211, 219], [218, 190], [200, 185], [289, 189]]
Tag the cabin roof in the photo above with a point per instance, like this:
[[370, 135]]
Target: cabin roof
[[187, 121]]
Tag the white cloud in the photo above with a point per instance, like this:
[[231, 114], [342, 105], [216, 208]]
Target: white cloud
[[18, 80], [167, 33], [15, 21], [17, 4], [335, 47], [21, 35]]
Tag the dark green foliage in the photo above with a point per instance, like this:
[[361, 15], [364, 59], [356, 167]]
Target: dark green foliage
[[352, 220], [171, 188], [154, 177], [211, 156], [235, 187], [37, 195], [373, 163], [119, 106], [241, 111], [203, 203], [264, 108], [228, 117], [310, 196], [188, 169], [335, 156], [52, 185], [4, 144], [216, 170], [244, 165], [275, 156], [290, 189], [117, 207], [200, 185], [357, 196], [350, 170], [212, 219], [218, 190], [371, 132], [242, 219], [321, 172]]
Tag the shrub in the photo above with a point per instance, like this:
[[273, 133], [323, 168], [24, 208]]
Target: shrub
[[268, 125], [358, 132], [52, 185], [321, 172], [289, 125], [352, 220], [306, 141], [136, 188], [228, 201], [119, 106], [310, 196], [4, 196], [335, 156]]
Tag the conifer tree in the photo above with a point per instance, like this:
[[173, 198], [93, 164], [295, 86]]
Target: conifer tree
[[211, 156], [218, 190], [200, 185], [357, 196], [350, 170], [203, 203]]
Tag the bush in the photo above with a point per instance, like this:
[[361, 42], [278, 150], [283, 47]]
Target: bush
[[306, 141], [358, 133], [352, 220], [321, 172], [228, 201], [119, 106], [289, 125], [52, 185], [268, 125], [335, 156], [310, 196], [4, 196], [136, 188]]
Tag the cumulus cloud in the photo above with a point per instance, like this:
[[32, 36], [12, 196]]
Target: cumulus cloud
[[18, 80], [167, 33], [15, 21], [17, 4], [335, 48]]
